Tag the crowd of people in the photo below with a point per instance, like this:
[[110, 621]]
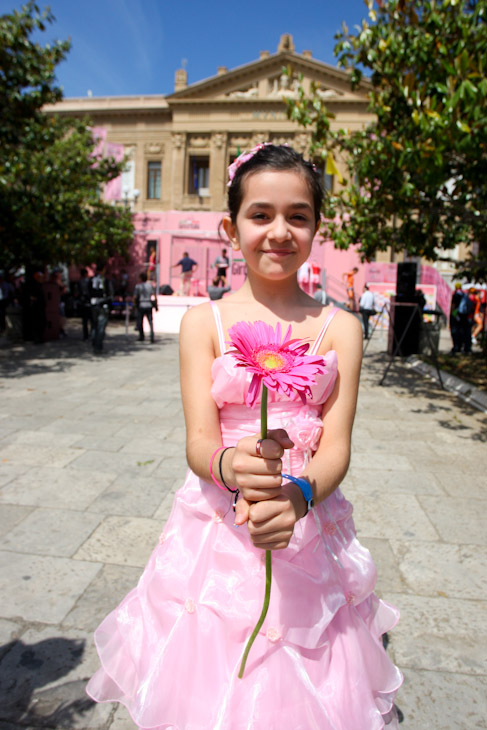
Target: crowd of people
[[467, 317], [23, 301]]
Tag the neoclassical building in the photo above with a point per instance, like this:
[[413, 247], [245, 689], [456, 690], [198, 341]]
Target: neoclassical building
[[180, 145]]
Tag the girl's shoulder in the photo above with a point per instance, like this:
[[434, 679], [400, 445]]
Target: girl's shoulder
[[343, 330], [197, 321]]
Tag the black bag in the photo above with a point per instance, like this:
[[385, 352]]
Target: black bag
[[166, 290]]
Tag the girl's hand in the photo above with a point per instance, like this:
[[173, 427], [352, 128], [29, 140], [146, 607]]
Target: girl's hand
[[271, 522], [258, 477]]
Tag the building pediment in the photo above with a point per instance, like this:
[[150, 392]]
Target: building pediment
[[266, 80]]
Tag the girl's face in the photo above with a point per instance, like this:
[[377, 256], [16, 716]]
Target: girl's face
[[275, 224]]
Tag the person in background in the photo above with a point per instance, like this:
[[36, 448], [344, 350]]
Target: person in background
[[478, 321], [222, 263], [145, 300], [151, 265], [33, 302], [320, 295], [348, 277], [367, 309], [188, 267], [455, 322], [84, 288], [100, 300], [6, 297], [124, 283]]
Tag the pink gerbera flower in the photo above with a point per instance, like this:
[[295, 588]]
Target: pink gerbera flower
[[282, 366]]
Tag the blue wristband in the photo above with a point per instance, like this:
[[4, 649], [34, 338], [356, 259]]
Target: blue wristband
[[305, 488]]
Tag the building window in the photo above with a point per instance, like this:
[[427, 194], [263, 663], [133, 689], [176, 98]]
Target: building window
[[199, 176], [154, 180]]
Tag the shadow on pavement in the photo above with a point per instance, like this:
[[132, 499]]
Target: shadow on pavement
[[26, 358], [27, 669], [408, 382]]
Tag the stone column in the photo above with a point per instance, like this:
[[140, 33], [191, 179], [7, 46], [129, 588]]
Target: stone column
[[218, 170], [177, 173]]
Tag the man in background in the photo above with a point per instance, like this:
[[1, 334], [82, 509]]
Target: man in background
[[188, 267], [145, 299], [367, 309], [222, 263]]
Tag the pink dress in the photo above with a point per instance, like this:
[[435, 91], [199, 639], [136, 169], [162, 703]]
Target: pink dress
[[171, 651]]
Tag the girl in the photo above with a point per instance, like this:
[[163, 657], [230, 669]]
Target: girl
[[171, 652]]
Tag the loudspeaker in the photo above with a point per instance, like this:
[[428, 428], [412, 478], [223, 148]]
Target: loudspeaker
[[405, 319], [406, 281]]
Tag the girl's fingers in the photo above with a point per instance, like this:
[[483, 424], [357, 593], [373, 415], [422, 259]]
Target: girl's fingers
[[280, 436], [260, 494], [241, 511]]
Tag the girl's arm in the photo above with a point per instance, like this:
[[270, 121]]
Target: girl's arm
[[261, 478], [271, 523], [330, 463], [196, 356]]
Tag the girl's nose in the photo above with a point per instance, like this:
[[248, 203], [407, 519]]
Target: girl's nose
[[279, 230]]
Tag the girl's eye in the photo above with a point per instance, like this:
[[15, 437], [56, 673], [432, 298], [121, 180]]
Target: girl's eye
[[259, 216]]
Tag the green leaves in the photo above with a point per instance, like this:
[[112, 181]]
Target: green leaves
[[50, 207], [420, 170]]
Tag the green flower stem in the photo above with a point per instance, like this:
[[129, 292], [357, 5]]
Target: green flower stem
[[263, 413], [268, 553]]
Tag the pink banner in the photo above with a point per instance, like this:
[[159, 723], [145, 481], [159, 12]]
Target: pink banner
[[113, 189]]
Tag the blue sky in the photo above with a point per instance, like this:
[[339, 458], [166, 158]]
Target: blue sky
[[134, 46]]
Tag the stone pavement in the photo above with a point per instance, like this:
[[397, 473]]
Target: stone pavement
[[91, 452]]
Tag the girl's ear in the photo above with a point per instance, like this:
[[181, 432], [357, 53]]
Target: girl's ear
[[231, 230]]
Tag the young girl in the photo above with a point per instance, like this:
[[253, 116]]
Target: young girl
[[171, 652]]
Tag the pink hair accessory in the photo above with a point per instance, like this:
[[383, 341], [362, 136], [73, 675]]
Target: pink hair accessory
[[211, 467], [241, 159]]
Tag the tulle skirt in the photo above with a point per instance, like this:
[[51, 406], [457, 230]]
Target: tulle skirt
[[171, 651]]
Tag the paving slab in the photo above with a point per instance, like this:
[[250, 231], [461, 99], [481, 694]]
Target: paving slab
[[51, 532], [445, 569], [49, 486], [121, 541], [11, 515], [42, 588], [101, 596], [91, 454], [440, 634], [133, 496], [442, 701], [389, 515]]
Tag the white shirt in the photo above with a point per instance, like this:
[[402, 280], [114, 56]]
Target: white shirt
[[367, 300]]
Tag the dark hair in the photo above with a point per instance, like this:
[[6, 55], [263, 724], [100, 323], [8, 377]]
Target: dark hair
[[275, 157], [143, 276]]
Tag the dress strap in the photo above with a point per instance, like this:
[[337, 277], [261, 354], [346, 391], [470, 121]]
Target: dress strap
[[321, 333], [219, 326]]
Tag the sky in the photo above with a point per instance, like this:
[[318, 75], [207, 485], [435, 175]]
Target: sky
[[125, 47]]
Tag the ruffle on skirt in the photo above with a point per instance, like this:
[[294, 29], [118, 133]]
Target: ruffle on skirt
[[171, 651]]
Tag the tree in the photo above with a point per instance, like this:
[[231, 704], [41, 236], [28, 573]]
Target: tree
[[50, 179], [417, 176]]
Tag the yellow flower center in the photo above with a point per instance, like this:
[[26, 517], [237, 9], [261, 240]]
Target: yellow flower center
[[269, 360]]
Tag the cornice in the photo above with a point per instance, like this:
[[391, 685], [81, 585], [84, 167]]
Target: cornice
[[111, 104]]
